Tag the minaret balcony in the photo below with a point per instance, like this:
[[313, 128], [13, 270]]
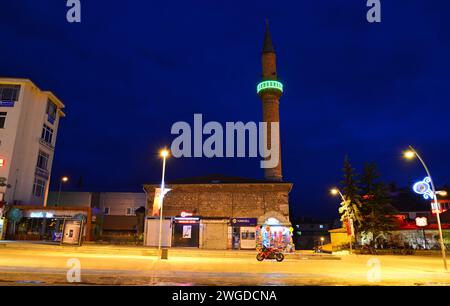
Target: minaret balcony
[[269, 85]]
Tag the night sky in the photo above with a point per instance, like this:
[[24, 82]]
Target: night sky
[[133, 68]]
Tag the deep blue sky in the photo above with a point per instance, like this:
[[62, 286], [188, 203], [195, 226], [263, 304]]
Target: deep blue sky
[[131, 69]]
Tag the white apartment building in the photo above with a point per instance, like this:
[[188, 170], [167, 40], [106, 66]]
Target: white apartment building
[[29, 120]]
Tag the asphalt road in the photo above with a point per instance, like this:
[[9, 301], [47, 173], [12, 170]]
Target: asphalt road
[[46, 267]]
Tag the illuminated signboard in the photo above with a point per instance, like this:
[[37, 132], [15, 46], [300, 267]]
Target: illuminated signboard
[[187, 220], [37, 215], [244, 221], [186, 214], [7, 103], [421, 221]]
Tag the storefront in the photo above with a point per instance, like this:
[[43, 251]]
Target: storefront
[[152, 229], [214, 233], [186, 231], [275, 234], [242, 233], [42, 223]]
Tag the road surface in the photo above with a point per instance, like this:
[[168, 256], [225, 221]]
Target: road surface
[[46, 266]]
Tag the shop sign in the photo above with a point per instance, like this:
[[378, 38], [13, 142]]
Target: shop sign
[[244, 221], [57, 214], [6, 103], [72, 232], [57, 236], [38, 215], [187, 220], [421, 222], [186, 214], [187, 231]]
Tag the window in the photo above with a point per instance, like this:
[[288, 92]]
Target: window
[[39, 187], [47, 134], [51, 111], [42, 160], [130, 211], [2, 120], [9, 92], [106, 211]]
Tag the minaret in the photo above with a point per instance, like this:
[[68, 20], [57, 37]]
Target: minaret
[[270, 91]]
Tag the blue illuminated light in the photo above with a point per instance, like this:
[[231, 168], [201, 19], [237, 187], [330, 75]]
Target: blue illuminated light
[[424, 188]]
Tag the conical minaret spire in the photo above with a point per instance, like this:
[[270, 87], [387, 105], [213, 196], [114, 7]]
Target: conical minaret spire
[[270, 91], [268, 45]]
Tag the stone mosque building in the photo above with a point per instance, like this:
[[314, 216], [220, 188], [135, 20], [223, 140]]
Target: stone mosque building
[[217, 212]]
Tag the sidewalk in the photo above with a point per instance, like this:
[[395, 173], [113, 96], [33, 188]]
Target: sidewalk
[[93, 248]]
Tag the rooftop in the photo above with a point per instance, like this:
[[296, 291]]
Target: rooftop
[[219, 179], [55, 99]]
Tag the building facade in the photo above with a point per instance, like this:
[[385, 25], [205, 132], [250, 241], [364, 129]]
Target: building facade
[[224, 212], [116, 216], [218, 212], [29, 121]]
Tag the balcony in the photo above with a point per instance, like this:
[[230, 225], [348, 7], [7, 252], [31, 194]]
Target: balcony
[[42, 173], [46, 144]]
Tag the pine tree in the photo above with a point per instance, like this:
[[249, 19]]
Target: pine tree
[[376, 208], [350, 208]]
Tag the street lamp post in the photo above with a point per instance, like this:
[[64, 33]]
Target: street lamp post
[[164, 155], [410, 155], [336, 191], [64, 179]]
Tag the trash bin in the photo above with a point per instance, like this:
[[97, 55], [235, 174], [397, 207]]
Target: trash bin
[[165, 254]]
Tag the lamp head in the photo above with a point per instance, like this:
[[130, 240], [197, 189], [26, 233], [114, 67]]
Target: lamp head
[[164, 153], [334, 191], [64, 179], [409, 154], [442, 193]]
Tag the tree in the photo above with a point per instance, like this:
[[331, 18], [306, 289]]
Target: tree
[[376, 209], [350, 208]]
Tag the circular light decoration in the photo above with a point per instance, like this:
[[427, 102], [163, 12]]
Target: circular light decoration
[[269, 85], [424, 188]]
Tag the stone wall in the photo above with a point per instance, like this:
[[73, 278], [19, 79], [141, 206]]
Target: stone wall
[[260, 200]]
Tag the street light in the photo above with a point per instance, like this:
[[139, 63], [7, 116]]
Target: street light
[[164, 154], [64, 179], [410, 154], [442, 193], [335, 191]]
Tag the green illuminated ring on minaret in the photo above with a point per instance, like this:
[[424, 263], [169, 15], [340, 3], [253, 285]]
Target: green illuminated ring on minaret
[[269, 85]]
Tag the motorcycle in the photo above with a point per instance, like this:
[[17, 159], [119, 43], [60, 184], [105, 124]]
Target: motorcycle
[[270, 253]]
